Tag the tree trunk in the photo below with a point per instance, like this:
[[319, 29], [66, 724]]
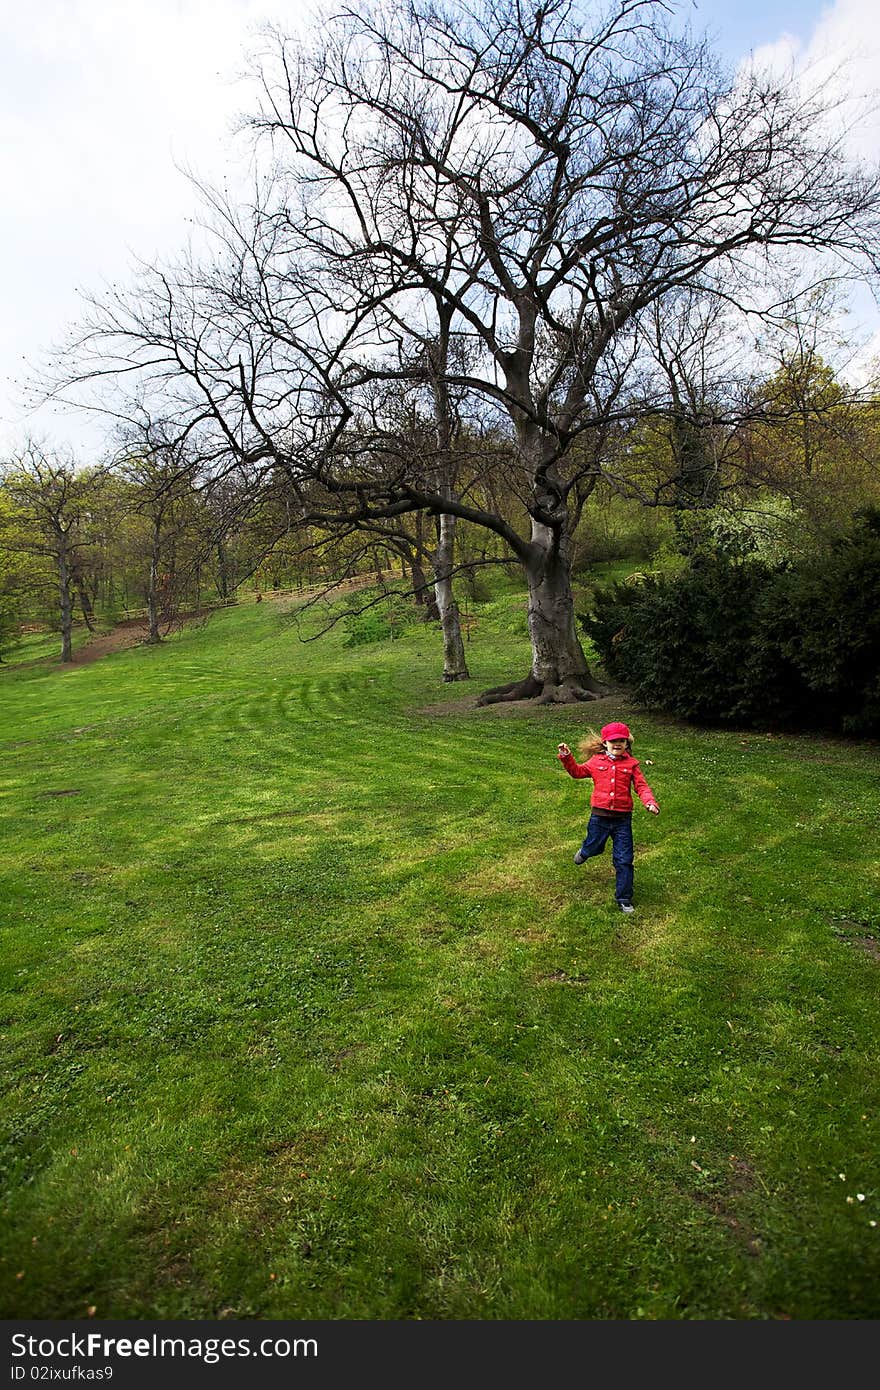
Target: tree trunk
[[65, 601], [454, 662], [559, 674], [168, 587], [222, 571], [153, 589], [419, 582], [88, 611], [425, 594]]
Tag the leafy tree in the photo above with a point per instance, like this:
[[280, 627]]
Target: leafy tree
[[22, 575], [55, 501]]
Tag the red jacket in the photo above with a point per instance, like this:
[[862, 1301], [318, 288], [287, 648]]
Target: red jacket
[[612, 779]]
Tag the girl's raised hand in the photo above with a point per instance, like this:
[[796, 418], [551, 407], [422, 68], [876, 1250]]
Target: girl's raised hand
[[564, 750]]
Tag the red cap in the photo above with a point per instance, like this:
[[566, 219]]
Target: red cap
[[614, 731]]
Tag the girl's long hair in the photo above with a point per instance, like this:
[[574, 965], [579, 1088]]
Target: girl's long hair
[[592, 744]]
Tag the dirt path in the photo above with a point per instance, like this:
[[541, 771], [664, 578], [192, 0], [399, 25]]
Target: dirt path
[[130, 632], [125, 634]]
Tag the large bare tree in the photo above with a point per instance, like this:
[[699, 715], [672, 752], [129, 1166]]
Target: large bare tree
[[526, 182]]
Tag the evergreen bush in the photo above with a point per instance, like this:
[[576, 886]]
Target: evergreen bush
[[731, 639]]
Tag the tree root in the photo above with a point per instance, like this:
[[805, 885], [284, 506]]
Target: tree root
[[543, 692], [566, 694], [517, 690], [449, 676]]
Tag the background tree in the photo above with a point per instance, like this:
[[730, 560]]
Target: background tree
[[807, 437], [56, 503], [161, 474], [24, 577]]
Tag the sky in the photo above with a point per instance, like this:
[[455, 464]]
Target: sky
[[103, 104]]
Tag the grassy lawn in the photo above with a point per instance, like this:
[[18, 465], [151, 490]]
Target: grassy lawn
[[40, 646], [308, 1013]]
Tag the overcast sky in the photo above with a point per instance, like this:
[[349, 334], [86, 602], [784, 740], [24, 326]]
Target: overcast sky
[[102, 101]]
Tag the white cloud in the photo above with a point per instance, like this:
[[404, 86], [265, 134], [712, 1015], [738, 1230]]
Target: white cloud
[[842, 56]]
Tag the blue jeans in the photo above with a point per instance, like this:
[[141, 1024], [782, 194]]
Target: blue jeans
[[619, 829]]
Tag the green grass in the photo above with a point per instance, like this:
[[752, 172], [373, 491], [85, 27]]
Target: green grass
[[38, 646], [308, 1013]]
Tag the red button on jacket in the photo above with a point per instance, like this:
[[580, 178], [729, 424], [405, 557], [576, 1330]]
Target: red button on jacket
[[612, 779]]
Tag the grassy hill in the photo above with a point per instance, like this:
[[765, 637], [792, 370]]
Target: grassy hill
[[308, 1013]]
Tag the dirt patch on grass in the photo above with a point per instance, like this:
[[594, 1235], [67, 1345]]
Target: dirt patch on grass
[[125, 634], [535, 936], [868, 945], [250, 1197], [345, 1056], [859, 935], [560, 977], [131, 632], [738, 1181], [517, 709]]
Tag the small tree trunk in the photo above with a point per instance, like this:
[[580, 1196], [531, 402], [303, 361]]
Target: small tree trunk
[[559, 674], [454, 661], [419, 582], [168, 586], [88, 611], [65, 600], [222, 571], [427, 595], [153, 589], [432, 608]]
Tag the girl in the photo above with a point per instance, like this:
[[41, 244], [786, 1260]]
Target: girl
[[613, 770]]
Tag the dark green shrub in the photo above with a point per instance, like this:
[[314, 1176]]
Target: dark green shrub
[[835, 621], [731, 639]]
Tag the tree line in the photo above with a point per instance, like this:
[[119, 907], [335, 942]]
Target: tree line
[[154, 532], [501, 261]]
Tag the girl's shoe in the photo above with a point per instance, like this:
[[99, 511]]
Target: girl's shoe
[[626, 907], [580, 858]]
